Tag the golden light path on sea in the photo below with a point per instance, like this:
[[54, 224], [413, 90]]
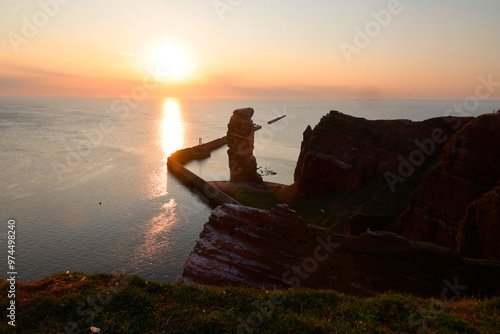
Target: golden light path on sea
[[170, 138], [172, 127], [157, 239]]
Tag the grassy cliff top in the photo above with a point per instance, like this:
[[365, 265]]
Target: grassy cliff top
[[75, 302]]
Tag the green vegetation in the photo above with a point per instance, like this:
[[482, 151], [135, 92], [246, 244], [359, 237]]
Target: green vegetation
[[333, 210], [74, 302], [255, 199], [373, 198]]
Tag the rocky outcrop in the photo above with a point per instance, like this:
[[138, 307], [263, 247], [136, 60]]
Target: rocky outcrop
[[259, 248], [361, 223], [343, 151], [468, 168], [479, 232], [240, 140]]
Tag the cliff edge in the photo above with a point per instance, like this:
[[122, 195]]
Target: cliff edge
[[425, 179], [449, 198], [252, 247], [343, 151]]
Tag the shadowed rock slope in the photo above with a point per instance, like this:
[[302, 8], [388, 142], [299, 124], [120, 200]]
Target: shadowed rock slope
[[342, 151], [453, 193], [424, 180], [252, 247]]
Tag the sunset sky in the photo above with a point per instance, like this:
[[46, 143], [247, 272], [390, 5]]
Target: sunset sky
[[249, 48]]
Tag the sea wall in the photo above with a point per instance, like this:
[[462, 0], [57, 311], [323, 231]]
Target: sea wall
[[213, 195], [177, 160], [202, 151]]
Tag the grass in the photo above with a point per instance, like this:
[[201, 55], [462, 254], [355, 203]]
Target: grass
[[74, 302], [333, 210], [255, 199], [373, 198]]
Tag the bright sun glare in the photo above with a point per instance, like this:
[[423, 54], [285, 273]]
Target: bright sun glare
[[172, 127], [172, 62]]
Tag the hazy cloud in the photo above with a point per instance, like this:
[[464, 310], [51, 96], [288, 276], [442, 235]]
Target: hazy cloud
[[38, 71]]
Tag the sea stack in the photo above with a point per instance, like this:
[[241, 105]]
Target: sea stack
[[240, 138]]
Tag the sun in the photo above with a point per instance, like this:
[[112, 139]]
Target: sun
[[172, 62]]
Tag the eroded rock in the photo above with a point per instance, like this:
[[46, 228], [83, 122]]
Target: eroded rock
[[276, 248], [240, 140], [342, 151], [468, 168]]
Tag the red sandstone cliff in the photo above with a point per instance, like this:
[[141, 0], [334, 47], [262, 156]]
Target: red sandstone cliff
[[240, 142], [252, 247], [344, 151], [458, 201], [468, 168], [479, 232]]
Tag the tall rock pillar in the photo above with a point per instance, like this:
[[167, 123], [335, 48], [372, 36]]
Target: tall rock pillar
[[240, 139]]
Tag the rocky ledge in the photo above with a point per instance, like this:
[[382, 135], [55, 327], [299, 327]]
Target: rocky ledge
[[442, 174], [258, 248], [457, 198], [343, 151]]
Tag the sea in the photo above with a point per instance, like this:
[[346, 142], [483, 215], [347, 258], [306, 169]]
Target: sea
[[84, 181]]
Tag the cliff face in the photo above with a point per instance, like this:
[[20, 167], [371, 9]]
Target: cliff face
[[252, 247], [240, 140], [455, 201], [479, 232], [469, 167], [343, 151]]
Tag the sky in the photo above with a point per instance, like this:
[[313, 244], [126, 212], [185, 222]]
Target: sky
[[423, 49]]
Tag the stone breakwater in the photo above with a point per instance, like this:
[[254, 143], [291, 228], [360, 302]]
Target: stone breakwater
[[178, 159], [212, 194]]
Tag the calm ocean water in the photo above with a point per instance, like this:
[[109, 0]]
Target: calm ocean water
[[88, 186]]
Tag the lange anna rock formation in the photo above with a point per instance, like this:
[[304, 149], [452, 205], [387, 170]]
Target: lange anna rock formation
[[240, 138]]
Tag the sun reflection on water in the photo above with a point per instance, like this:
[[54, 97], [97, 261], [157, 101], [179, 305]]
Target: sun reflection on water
[[158, 239], [170, 139], [157, 233], [172, 127]]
